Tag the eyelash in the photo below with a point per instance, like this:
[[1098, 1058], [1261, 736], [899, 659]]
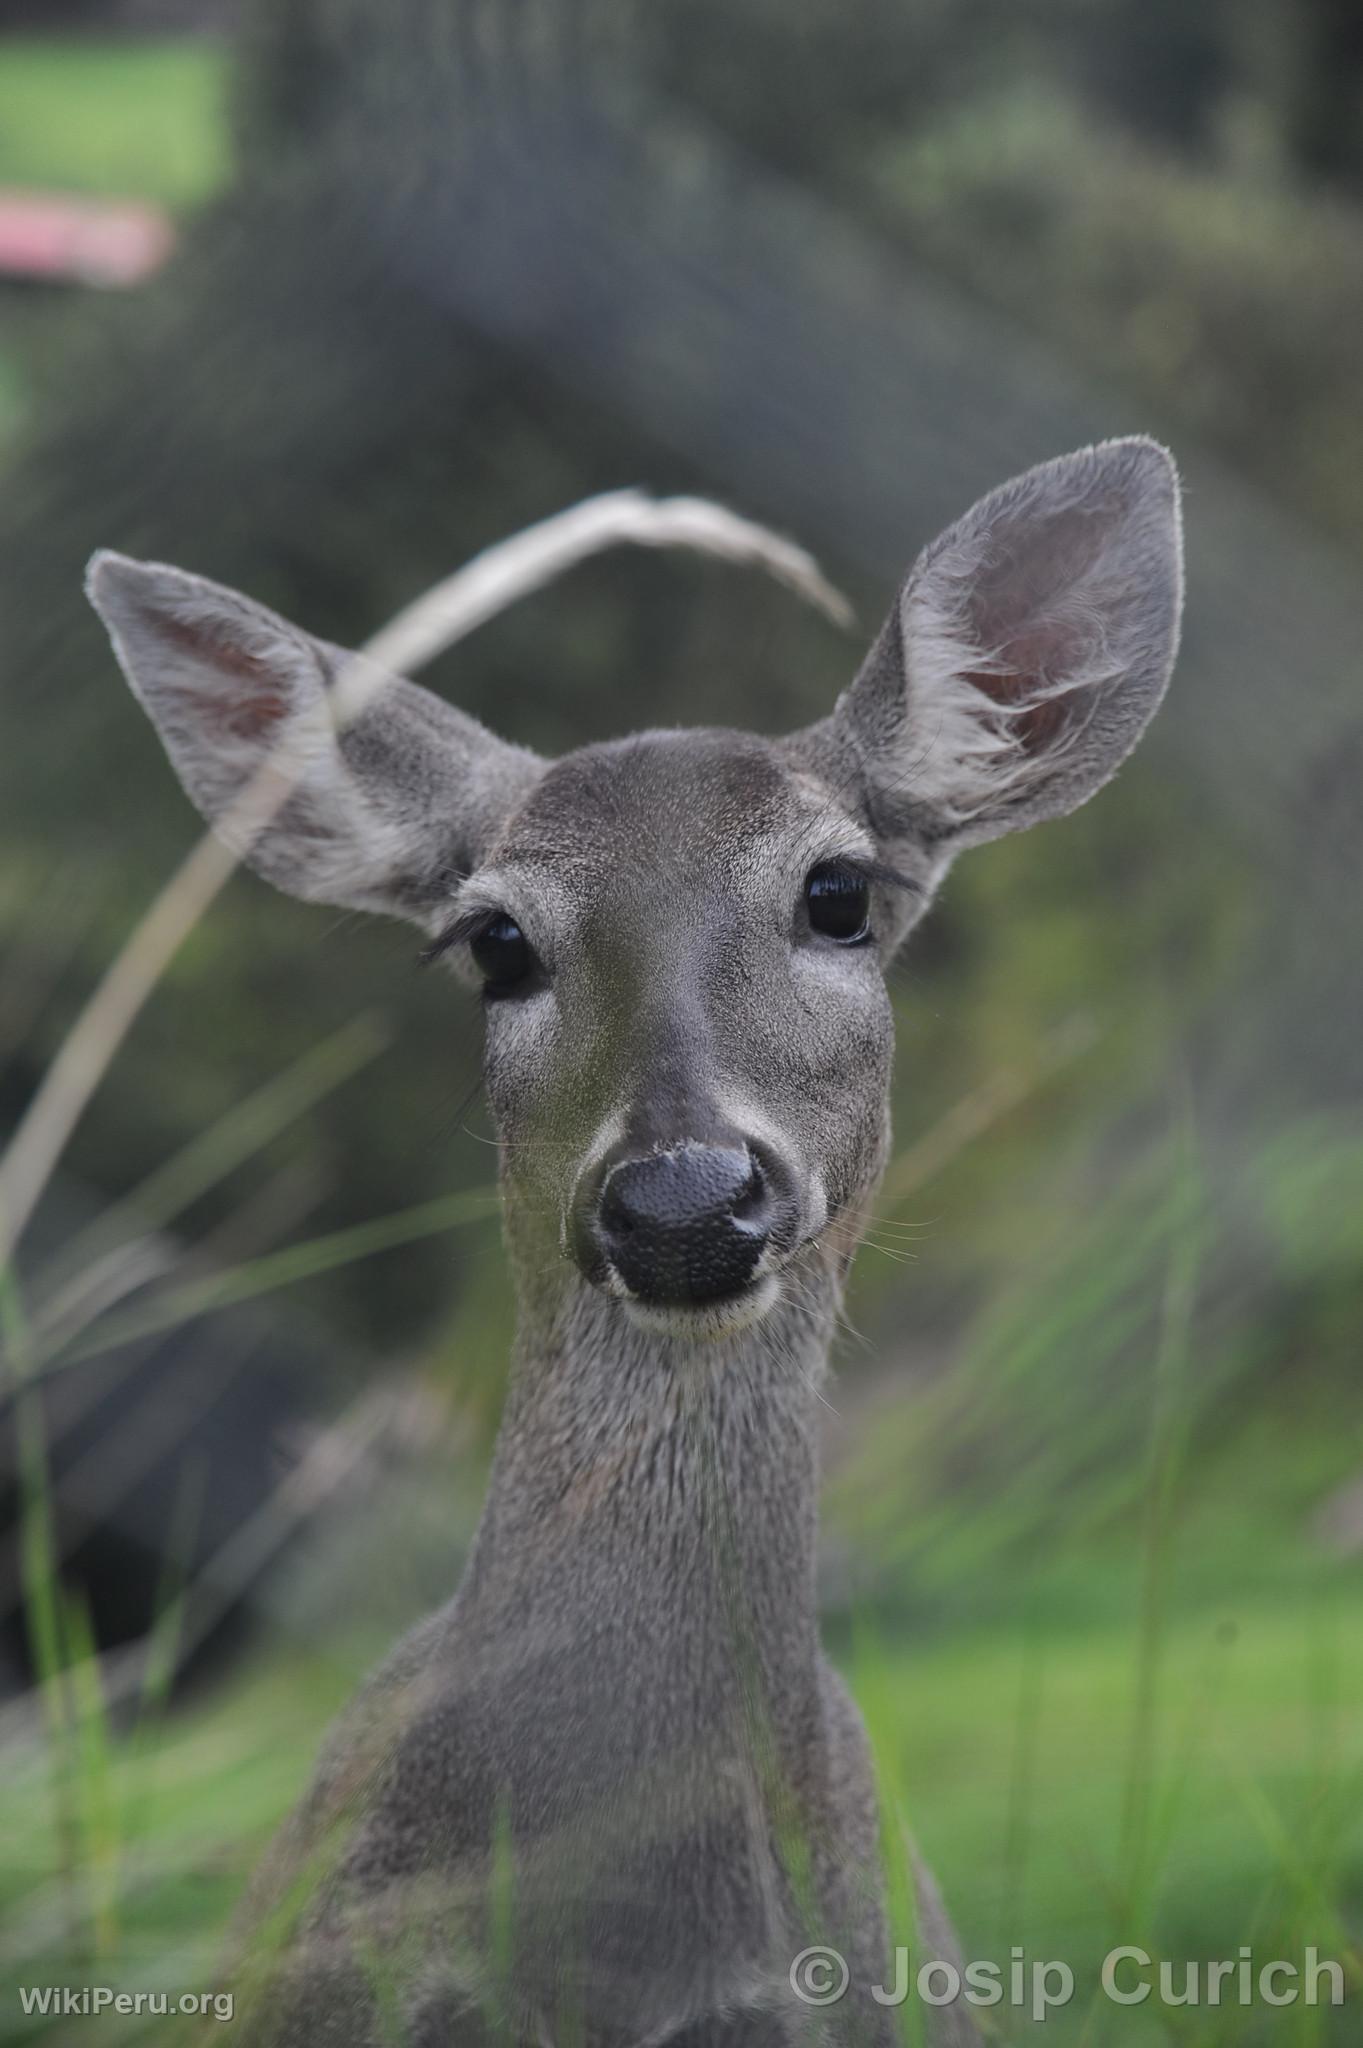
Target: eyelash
[[873, 872], [463, 928]]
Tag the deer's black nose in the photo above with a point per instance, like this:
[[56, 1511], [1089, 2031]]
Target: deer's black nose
[[686, 1225]]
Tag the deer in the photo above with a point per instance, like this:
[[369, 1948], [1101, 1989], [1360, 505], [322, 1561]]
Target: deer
[[614, 1790]]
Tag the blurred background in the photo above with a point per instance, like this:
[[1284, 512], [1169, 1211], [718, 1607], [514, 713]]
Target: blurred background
[[320, 296]]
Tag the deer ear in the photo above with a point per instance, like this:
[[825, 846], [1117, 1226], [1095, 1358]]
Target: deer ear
[[1029, 649], [385, 809]]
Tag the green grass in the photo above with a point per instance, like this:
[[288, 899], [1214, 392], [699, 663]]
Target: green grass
[[1014, 1754], [193, 1801], [131, 119]]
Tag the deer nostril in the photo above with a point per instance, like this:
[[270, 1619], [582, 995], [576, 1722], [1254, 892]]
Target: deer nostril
[[752, 1199], [616, 1216]]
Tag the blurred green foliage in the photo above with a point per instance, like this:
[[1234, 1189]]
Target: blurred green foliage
[[143, 119], [1195, 281]]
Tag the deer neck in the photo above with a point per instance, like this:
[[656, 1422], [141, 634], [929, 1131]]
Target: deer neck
[[658, 1497]]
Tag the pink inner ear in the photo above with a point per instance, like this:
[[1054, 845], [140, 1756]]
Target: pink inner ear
[[245, 713], [1026, 612]]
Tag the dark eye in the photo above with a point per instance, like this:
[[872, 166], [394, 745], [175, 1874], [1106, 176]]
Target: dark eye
[[838, 900], [503, 954]]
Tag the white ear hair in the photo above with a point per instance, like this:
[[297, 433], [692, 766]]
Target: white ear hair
[[1030, 647]]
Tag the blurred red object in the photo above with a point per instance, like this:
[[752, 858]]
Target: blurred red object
[[82, 241]]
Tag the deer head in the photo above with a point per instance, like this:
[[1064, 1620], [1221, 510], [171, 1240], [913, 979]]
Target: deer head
[[681, 937]]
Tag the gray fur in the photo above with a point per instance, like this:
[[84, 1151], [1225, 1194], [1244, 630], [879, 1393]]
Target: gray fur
[[613, 1789]]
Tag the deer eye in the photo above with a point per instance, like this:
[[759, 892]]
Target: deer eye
[[838, 900], [503, 955]]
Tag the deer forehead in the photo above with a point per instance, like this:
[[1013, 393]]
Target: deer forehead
[[670, 814]]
